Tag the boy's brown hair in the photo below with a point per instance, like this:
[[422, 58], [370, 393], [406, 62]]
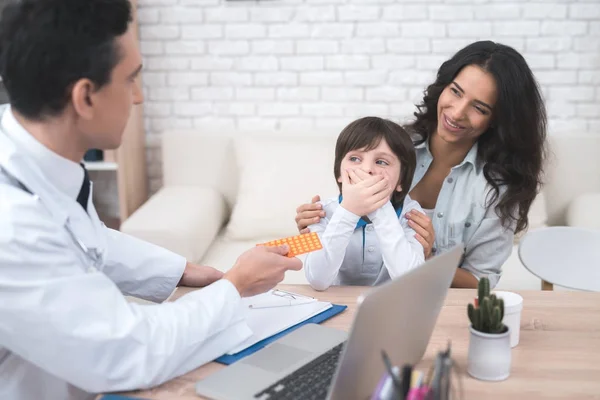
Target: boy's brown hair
[[366, 133]]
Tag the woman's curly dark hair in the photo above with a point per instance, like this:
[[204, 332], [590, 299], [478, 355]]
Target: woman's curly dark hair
[[513, 147]]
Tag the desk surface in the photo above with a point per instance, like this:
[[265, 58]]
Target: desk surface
[[558, 355]]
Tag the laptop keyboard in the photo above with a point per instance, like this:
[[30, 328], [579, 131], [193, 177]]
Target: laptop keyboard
[[311, 382]]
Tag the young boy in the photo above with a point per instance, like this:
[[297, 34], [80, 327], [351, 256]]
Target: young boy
[[366, 241]]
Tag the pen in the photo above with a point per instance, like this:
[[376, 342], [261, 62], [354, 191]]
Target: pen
[[417, 390], [418, 393], [388, 366], [445, 365], [429, 376], [448, 351], [416, 380], [406, 380], [445, 383], [437, 376]]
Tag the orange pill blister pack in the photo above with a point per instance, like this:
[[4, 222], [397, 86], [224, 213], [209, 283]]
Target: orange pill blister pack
[[298, 244]]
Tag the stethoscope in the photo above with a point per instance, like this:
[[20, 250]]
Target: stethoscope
[[94, 255]]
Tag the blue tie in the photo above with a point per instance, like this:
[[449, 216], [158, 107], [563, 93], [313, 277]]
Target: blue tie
[[362, 224]]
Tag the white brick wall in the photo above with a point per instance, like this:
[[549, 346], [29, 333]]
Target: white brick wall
[[216, 64]]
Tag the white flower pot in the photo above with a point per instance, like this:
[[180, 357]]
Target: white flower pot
[[489, 355]]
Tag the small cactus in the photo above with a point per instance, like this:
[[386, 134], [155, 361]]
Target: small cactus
[[487, 316]]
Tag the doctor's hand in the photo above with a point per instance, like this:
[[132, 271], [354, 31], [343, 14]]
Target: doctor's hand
[[260, 269], [199, 275]]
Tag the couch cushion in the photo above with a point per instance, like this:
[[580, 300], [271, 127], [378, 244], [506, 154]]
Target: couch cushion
[[191, 158], [583, 212], [276, 175], [573, 169]]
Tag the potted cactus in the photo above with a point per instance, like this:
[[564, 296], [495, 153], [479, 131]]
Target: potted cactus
[[489, 345]]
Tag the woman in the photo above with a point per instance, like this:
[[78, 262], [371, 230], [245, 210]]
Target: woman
[[481, 130]]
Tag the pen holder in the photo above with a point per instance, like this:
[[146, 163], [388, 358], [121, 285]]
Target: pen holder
[[411, 384], [386, 388]]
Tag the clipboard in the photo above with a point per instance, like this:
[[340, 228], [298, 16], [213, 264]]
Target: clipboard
[[282, 311], [317, 319]]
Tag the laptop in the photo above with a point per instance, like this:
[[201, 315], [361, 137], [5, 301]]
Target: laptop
[[318, 362]]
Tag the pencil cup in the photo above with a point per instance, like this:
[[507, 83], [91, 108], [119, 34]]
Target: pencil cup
[[513, 304]]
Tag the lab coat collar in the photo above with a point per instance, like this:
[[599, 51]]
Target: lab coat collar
[[16, 161], [65, 174]]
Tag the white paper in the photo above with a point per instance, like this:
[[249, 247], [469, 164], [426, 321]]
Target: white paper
[[266, 322]]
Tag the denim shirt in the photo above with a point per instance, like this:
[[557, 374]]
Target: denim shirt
[[461, 216]]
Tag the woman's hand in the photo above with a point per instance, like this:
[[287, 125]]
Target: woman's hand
[[422, 225], [309, 214]]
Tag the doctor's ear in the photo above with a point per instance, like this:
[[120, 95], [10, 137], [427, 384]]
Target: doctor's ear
[[82, 97]]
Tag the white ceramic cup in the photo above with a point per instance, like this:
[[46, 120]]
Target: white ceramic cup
[[513, 304]]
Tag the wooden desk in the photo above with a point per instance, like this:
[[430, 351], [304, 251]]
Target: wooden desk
[[558, 355]]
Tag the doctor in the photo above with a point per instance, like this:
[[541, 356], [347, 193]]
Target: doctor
[[66, 331]]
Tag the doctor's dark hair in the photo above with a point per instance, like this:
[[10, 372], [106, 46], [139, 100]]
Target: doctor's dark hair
[[512, 149], [366, 133], [46, 46]]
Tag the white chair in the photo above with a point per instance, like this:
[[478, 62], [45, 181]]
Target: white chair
[[565, 256]]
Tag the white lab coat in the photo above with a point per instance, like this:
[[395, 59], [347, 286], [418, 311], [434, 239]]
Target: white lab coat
[[66, 331]]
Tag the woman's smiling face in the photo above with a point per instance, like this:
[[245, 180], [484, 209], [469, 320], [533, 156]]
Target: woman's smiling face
[[466, 105]]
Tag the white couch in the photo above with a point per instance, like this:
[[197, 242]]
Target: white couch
[[224, 194]]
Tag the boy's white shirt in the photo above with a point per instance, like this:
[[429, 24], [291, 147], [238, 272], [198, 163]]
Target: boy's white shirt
[[390, 247]]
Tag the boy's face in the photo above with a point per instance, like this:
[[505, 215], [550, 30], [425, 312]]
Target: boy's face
[[378, 161]]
